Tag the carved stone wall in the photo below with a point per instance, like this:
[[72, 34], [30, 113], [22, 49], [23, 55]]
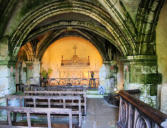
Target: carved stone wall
[[141, 72]]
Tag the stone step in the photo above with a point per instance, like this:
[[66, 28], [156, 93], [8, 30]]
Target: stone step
[[94, 94]]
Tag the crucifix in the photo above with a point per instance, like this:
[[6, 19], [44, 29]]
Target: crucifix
[[75, 49]]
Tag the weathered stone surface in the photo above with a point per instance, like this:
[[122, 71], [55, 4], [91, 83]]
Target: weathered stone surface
[[141, 73], [4, 48], [161, 42], [36, 72], [7, 84], [164, 98], [107, 76]]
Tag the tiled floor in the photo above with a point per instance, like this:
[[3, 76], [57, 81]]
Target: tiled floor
[[100, 114]]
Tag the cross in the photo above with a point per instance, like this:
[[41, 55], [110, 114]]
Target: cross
[[75, 49]]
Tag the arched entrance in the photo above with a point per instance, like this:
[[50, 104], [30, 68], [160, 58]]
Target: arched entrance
[[72, 20], [72, 60]]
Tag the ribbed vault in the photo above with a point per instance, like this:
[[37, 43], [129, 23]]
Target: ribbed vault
[[108, 29]]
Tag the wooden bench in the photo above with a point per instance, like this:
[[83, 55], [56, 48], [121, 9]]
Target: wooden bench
[[32, 111], [35, 87], [73, 102], [58, 88], [62, 93]]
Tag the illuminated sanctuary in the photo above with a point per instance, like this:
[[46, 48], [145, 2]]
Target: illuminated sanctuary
[[93, 52]]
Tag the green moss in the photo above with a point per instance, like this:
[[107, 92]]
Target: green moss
[[153, 79], [31, 4], [153, 90]]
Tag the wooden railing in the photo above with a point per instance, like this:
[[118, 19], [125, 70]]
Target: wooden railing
[[66, 81], [35, 87], [134, 113]]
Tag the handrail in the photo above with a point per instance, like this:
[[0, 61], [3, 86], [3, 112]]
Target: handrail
[[134, 91], [143, 109]]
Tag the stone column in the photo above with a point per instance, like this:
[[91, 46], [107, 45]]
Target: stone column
[[18, 72], [108, 75], [23, 73], [163, 98], [7, 70], [140, 72], [33, 72], [36, 72], [7, 78]]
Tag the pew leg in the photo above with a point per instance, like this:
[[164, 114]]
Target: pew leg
[[85, 110], [14, 117], [80, 119]]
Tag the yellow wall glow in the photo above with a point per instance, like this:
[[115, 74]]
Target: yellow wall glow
[[64, 47]]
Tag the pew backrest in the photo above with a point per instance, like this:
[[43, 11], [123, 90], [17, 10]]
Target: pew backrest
[[28, 111], [58, 88], [72, 102], [61, 93], [46, 100]]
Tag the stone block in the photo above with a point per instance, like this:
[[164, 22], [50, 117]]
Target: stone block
[[159, 96], [164, 98], [4, 71]]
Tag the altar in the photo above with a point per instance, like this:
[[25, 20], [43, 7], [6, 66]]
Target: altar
[[76, 71]]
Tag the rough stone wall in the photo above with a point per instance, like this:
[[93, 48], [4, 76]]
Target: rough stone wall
[[161, 47], [161, 40]]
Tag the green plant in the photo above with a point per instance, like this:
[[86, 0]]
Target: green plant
[[46, 73], [49, 71]]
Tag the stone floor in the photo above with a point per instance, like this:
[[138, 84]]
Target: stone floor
[[100, 114]]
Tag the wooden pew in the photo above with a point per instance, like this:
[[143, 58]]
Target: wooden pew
[[58, 88], [62, 93], [50, 102], [32, 111], [35, 87]]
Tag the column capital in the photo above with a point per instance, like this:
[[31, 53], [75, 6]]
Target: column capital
[[111, 62], [7, 62], [140, 59]]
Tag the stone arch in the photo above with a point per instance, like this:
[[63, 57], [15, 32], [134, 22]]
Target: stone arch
[[51, 38], [38, 15], [75, 26]]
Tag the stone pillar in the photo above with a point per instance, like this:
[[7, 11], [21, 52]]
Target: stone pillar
[[163, 98], [23, 74], [7, 70], [108, 75], [140, 72], [36, 72], [18, 72], [7, 78], [33, 72]]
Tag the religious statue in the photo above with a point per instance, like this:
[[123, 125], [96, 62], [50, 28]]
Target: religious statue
[[92, 75], [92, 80]]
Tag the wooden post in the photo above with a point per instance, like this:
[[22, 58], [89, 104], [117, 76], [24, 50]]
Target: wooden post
[[49, 120], [28, 120], [70, 119], [64, 104], [9, 119], [34, 102], [49, 105], [80, 113], [7, 101], [85, 108]]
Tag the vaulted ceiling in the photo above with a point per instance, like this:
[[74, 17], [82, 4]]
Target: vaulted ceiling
[[123, 26]]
